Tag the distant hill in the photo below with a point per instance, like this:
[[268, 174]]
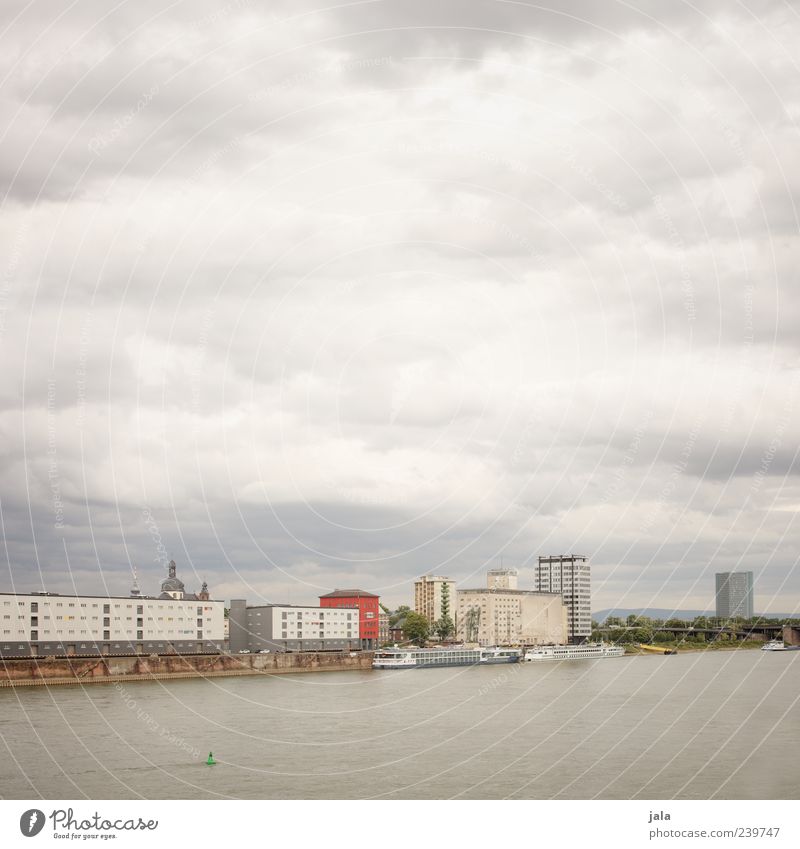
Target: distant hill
[[666, 613]]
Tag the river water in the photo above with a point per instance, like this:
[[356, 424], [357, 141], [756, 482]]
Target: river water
[[704, 725]]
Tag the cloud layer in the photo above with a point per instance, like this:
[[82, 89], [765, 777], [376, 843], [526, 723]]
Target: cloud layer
[[314, 298]]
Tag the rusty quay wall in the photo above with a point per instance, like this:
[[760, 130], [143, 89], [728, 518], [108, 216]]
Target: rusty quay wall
[[98, 670]]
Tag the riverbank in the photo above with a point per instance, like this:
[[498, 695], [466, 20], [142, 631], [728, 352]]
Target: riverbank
[[31, 672], [684, 647]]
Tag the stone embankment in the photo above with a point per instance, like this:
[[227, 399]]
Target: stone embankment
[[100, 670]]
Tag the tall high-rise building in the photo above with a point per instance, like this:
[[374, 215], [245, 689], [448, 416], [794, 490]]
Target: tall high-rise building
[[568, 574], [734, 594], [432, 593]]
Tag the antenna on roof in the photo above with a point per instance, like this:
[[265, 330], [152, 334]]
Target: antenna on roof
[[135, 591]]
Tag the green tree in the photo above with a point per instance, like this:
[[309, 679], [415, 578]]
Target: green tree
[[443, 627], [399, 614], [416, 627], [613, 622], [445, 601], [641, 635]]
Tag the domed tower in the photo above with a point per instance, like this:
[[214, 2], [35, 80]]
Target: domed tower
[[203, 594], [173, 586]]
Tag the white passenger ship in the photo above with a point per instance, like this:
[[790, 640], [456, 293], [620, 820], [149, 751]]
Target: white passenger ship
[[417, 658], [585, 651]]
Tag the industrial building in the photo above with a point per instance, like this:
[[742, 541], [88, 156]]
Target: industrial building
[[289, 627], [430, 592], [505, 615], [734, 594], [568, 574], [43, 624]]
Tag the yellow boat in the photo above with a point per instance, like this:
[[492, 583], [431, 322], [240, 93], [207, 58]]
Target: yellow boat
[[657, 649]]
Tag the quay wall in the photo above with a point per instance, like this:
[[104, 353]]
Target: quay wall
[[98, 670]]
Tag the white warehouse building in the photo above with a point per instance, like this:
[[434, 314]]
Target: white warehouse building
[[43, 624]]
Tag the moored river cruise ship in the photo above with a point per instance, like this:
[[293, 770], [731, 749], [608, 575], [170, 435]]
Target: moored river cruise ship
[[586, 651], [418, 658]]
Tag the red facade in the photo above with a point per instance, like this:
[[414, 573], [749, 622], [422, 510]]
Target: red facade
[[368, 612]]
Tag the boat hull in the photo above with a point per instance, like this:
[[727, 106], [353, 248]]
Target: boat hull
[[430, 658], [550, 654]]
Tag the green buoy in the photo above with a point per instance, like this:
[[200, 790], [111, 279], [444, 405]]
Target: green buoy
[[211, 761]]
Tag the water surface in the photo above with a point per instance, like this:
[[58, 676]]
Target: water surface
[[704, 725]]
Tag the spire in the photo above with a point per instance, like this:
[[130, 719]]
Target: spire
[[172, 568]]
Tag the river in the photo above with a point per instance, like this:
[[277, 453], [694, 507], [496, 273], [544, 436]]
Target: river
[[692, 726]]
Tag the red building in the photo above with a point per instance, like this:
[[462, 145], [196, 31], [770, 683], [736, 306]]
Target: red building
[[368, 612]]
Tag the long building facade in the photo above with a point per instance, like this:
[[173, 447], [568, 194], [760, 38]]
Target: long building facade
[[288, 627], [569, 575], [50, 624]]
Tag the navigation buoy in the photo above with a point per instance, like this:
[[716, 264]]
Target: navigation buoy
[[211, 761]]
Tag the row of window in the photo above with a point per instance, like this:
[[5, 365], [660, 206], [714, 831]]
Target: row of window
[[106, 607]]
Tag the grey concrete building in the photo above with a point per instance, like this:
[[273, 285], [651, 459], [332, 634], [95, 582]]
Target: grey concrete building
[[289, 627], [734, 594]]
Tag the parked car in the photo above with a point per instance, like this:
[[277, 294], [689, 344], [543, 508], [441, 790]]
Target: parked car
[[263, 651], [244, 651]]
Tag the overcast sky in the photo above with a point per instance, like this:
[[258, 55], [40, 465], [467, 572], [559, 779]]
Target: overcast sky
[[312, 299]]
